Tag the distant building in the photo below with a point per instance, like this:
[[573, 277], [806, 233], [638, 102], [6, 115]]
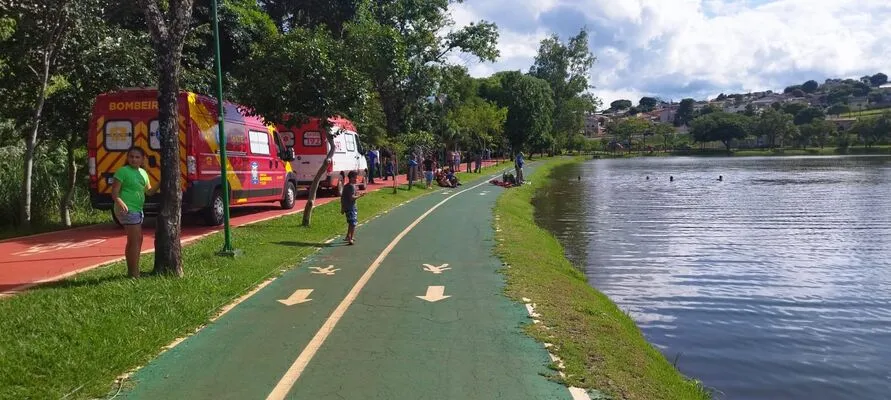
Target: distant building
[[595, 125]]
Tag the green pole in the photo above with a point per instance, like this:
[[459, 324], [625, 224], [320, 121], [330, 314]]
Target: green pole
[[227, 234]]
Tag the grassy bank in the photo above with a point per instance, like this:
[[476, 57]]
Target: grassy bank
[[73, 338], [600, 345]]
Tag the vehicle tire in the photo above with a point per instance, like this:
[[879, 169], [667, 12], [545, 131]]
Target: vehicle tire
[[213, 214], [339, 190], [114, 217], [364, 180], [290, 196]]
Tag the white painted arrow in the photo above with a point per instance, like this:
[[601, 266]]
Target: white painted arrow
[[300, 296], [436, 270], [434, 294], [329, 270]]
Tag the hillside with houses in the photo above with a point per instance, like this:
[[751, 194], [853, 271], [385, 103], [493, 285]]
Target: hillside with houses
[[836, 105]]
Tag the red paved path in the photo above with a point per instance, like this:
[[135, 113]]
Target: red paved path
[[29, 260]]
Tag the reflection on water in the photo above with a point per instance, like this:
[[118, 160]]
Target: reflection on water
[[774, 283]]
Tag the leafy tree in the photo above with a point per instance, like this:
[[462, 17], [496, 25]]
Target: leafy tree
[[810, 86], [566, 67], [873, 130], [808, 115], [720, 126], [798, 93], [620, 104], [530, 105], [721, 96], [708, 109], [402, 41], [684, 114], [38, 33], [793, 108], [878, 79], [322, 81], [327, 14], [876, 97], [102, 57], [750, 110], [775, 126], [168, 26], [647, 104], [633, 111], [839, 94], [627, 128], [818, 131], [860, 89], [790, 89], [838, 109], [482, 121]]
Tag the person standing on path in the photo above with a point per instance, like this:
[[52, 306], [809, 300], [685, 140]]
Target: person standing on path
[[479, 162], [428, 171], [518, 166], [412, 170], [348, 206], [372, 161], [383, 159], [131, 183]]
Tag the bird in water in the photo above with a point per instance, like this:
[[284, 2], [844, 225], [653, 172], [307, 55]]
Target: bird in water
[[720, 177], [671, 178]]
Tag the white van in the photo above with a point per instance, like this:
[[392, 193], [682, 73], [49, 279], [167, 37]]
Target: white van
[[310, 150]]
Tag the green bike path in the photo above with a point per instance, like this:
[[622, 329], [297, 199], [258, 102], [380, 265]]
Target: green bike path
[[414, 310]]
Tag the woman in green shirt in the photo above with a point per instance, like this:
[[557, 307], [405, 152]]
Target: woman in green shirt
[[131, 183]]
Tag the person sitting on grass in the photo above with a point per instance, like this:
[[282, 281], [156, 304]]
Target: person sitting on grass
[[442, 177], [453, 179], [348, 206]]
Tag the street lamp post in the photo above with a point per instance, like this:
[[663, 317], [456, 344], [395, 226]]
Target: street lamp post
[[227, 250]]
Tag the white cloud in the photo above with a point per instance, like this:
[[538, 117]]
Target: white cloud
[[682, 48]]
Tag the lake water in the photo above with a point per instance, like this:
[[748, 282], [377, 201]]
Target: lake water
[[772, 284]]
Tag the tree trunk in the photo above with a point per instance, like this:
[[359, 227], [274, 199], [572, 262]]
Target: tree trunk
[[31, 144], [68, 197], [168, 249], [314, 187]]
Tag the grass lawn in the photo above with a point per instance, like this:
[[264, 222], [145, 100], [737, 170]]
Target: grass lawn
[[73, 338], [865, 113], [600, 345]]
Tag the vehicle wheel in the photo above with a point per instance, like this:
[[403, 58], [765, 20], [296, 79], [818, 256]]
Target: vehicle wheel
[[114, 217], [213, 214], [339, 190], [290, 196], [364, 180]]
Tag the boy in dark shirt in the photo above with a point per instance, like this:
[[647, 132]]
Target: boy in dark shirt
[[348, 206]]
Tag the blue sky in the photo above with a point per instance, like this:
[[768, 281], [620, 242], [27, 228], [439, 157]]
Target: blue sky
[[694, 48]]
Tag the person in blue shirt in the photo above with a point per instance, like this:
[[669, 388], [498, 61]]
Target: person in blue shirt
[[518, 166], [372, 160]]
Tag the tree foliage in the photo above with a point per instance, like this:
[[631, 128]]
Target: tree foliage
[[566, 67], [720, 126], [775, 126], [684, 114], [620, 104]]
